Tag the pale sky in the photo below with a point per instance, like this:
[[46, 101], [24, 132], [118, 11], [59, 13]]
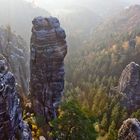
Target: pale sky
[[52, 4]]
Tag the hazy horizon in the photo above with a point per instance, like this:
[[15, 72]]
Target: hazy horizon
[[92, 12], [51, 6]]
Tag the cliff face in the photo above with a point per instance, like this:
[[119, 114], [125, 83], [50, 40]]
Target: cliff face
[[130, 130], [11, 122], [129, 86], [14, 49]]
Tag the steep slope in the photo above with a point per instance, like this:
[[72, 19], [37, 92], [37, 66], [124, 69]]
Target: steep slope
[[14, 48], [124, 23]]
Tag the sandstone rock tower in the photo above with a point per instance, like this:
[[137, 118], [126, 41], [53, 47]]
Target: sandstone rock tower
[[48, 50]]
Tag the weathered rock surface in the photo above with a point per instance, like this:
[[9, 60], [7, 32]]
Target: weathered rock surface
[[129, 86], [11, 122], [15, 50], [48, 50], [132, 43], [130, 130]]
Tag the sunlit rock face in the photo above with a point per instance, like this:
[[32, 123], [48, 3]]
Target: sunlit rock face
[[15, 49], [129, 86], [11, 122], [130, 130], [48, 50]]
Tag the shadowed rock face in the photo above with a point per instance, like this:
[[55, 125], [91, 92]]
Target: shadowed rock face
[[15, 50], [48, 50], [11, 122], [129, 86], [130, 130]]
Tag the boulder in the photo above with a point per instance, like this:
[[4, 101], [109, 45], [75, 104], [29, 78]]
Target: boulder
[[130, 130]]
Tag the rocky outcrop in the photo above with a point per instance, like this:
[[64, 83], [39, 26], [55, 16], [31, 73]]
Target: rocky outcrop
[[130, 130], [48, 50], [11, 122], [129, 86], [132, 44], [15, 50]]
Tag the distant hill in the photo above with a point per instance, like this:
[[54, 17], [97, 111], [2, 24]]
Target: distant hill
[[19, 14], [110, 31], [113, 44], [79, 19], [78, 23]]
